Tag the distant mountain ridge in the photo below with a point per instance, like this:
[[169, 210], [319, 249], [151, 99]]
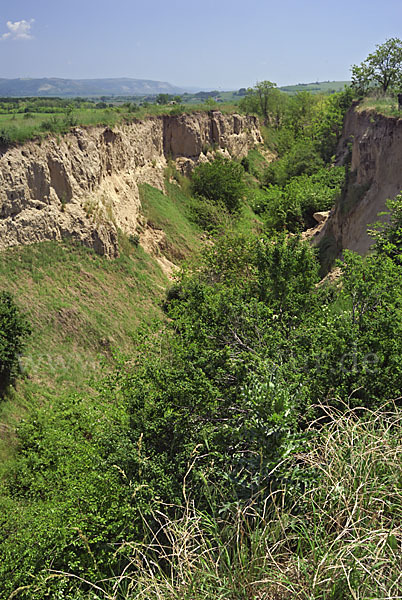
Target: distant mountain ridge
[[54, 86]]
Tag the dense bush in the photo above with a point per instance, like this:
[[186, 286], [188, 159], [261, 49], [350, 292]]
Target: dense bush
[[5, 138], [301, 181], [72, 496], [221, 181], [302, 158], [292, 206], [14, 330], [388, 235], [217, 396]]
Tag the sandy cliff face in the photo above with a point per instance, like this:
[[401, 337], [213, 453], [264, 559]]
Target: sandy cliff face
[[372, 144], [85, 184]]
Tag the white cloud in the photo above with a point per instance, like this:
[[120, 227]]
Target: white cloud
[[19, 30]]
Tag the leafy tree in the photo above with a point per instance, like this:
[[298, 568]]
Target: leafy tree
[[353, 348], [300, 112], [388, 235], [361, 79], [266, 100], [382, 68], [327, 123], [264, 91], [14, 330], [221, 181], [162, 98], [210, 102]]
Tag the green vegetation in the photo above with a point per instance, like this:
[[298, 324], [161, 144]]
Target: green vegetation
[[171, 215], [220, 182], [388, 236], [241, 438], [379, 104], [382, 69], [264, 99], [80, 308], [251, 348], [378, 80], [303, 131], [14, 330], [22, 119], [338, 540], [292, 205], [83, 308], [317, 87]]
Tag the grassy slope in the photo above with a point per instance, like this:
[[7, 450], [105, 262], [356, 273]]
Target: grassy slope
[[83, 307], [171, 214]]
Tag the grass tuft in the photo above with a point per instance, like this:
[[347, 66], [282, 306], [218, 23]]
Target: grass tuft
[[340, 539]]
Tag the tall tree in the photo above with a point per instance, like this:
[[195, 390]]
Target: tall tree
[[265, 99], [382, 68]]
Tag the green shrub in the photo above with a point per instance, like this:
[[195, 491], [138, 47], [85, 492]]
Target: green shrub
[[207, 214], [221, 181], [14, 330], [292, 206], [134, 239], [5, 138], [302, 158], [179, 109], [52, 125], [388, 235], [70, 497]]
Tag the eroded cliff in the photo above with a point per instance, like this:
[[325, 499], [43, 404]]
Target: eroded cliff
[[84, 185], [371, 146]]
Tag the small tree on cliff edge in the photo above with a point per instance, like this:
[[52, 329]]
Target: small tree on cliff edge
[[381, 69]]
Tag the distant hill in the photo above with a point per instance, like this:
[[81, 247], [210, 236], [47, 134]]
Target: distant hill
[[316, 87], [50, 86], [125, 86]]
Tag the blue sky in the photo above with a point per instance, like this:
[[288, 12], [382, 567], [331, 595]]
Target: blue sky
[[222, 44]]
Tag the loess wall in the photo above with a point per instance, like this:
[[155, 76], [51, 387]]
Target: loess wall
[[372, 145], [84, 185]]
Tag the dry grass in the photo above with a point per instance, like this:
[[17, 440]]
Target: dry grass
[[378, 103], [341, 539]]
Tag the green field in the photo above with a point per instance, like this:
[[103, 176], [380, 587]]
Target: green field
[[36, 118], [318, 87]]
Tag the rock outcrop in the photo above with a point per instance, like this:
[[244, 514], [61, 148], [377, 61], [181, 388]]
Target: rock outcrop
[[84, 185], [371, 146]]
